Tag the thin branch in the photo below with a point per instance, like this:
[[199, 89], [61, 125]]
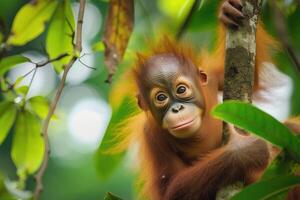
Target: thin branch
[[283, 35], [87, 66], [78, 48], [59, 57], [44, 63], [28, 73], [31, 81]]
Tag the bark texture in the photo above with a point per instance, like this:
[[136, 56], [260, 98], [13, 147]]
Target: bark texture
[[239, 70], [240, 57]]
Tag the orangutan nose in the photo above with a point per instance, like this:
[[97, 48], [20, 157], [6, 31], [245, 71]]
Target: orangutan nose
[[177, 107]]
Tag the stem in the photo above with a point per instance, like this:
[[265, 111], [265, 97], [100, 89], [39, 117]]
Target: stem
[[187, 20], [78, 48]]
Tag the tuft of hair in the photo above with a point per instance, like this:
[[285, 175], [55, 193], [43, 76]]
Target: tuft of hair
[[165, 45]]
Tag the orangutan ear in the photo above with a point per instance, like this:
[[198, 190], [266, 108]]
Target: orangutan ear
[[203, 77], [141, 102]]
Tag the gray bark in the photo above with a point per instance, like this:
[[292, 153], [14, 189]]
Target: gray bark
[[240, 57], [239, 70]]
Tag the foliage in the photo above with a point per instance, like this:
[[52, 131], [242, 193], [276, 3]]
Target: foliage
[[8, 115], [48, 26], [28, 146], [30, 21], [277, 178], [250, 118], [118, 28], [61, 34], [126, 108], [9, 62]]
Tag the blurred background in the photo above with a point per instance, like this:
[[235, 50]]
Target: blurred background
[[76, 170]]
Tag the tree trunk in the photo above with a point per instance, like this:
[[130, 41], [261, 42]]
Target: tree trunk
[[239, 70], [240, 57]]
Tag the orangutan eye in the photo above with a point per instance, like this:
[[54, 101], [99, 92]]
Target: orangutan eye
[[161, 97], [181, 89], [184, 91]]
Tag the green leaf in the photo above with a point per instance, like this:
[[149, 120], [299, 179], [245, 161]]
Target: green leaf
[[268, 189], [250, 118], [106, 163], [23, 90], [9, 62], [99, 46], [7, 117], [110, 196], [28, 146], [176, 9], [30, 21], [281, 165], [39, 105], [18, 81], [205, 18], [59, 37]]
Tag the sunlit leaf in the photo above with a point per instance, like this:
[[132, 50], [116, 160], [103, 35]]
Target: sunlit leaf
[[99, 46], [7, 117], [117, 31], [9, 62], [267, 189], [59, 37], [28, 145], [30, 21], [40, 106], [18, 81], [107, 163], [110, 196], [23, 90], [176, 9], [250, 118]]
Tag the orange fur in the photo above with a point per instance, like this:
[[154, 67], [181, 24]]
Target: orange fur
[[156, 158]]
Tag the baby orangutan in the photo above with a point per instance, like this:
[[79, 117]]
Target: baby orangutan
[[182, 142], [182, 157]]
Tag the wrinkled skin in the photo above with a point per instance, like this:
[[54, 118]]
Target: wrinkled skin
[[174, 96]]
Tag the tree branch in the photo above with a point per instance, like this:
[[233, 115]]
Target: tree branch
[[282, 34], [240, 57], [59, 57], [78, 48]]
